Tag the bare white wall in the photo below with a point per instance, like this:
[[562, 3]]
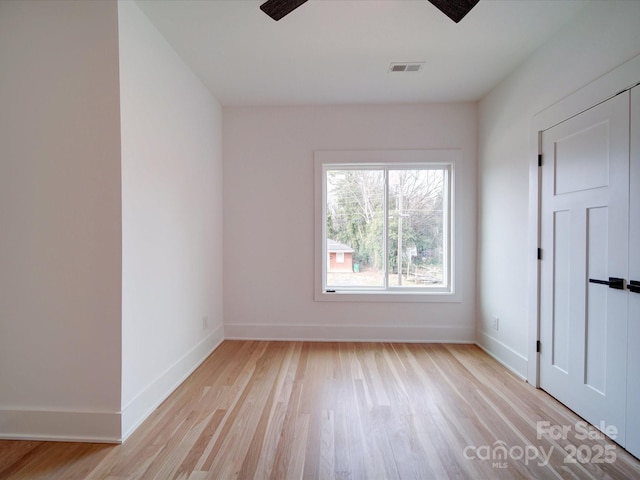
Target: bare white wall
[[171, 218], [269, 220], [60, 233], [605, 35]]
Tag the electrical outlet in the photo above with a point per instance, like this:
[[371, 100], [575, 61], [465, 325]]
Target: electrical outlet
[[495, 323], [205, 322]]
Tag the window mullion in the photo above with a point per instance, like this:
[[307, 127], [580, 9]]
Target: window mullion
[[385, 229]]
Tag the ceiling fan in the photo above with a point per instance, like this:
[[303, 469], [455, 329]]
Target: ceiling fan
[[454, 9]]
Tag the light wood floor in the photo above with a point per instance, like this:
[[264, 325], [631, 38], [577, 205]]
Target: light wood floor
[[339, 410]]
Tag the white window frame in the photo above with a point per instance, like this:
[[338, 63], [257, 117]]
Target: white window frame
[[392, 159]]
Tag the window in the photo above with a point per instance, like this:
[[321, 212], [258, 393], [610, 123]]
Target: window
[[386, 219]]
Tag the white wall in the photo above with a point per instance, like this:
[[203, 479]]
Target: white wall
[[269, 220], [171, 218], [60, 271], [605, 35]]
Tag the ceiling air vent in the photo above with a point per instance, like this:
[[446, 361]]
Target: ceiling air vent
[[406, 67]]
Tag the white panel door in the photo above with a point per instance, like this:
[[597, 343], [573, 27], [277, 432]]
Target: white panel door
[[584, 235], [633, 363]]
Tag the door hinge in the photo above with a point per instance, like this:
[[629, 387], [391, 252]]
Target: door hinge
[[537, 346], [539, 159], [539, 254]]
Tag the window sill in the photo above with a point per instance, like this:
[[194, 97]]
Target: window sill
[[388, 297]]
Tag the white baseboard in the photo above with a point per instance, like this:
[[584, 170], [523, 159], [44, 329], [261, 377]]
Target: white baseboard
[[104, 427], [138, 409], [352, 333], [508, 357], [60, 426]]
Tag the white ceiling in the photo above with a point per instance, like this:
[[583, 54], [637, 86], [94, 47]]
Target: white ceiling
[[339, 51]]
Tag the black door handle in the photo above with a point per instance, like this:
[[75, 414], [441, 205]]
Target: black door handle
[[617, 283], [634, 286]]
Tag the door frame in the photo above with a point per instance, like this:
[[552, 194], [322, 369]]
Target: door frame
[[605, 87]]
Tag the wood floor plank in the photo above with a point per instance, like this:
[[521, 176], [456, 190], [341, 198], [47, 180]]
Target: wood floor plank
[[258, 410]]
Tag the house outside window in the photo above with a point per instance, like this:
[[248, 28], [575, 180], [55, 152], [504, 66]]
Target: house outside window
[[340, 257]]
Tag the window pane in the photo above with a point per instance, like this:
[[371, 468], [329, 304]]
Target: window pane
[[416, 247], [355, 228]]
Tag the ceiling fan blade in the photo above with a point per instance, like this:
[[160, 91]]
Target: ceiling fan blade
[[277, 9], [454, 9]]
